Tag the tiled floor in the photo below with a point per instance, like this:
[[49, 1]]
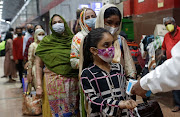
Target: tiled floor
[[10, 96], [11, 99]]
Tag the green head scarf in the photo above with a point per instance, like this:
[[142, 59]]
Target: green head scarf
[[54, 50]]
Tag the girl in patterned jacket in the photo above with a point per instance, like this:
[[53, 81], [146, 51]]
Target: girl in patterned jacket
[[102, 81]]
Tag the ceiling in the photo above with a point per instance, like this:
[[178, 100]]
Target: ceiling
[[10, 8]]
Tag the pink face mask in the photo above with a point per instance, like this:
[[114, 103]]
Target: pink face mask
[[107, 54]]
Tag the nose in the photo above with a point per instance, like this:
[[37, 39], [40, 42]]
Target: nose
[[114, 26]]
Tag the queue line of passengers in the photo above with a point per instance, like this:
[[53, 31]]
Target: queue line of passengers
[[98, 54]]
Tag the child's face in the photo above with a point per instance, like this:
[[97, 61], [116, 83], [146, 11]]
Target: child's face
[[106, 42]]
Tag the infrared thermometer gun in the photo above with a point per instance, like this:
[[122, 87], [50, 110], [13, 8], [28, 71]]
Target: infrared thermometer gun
[[131, 84]]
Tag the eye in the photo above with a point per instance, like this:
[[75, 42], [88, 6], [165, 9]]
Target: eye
[[106, 44], [59, 21], [87, 17], [93, 16], [109, 22], [54, 22]]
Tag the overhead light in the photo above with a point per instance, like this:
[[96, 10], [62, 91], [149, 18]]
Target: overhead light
[[1, 2], [2, 20], [8, 22], [1, 6]]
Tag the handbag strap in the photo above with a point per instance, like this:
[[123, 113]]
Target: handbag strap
[[137, 112], [28, 91]]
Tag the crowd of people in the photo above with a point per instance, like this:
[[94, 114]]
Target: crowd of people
[[85, 73]]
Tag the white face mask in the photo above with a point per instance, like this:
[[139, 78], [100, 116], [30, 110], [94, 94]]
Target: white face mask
[[40, 38], [111, 29], [58, 27]]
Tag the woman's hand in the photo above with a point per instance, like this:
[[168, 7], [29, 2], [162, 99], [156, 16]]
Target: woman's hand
[[39, 92], [128, 104]]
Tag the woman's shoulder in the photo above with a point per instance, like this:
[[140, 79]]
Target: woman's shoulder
[[33, 45], [79, 35], [9, 41]]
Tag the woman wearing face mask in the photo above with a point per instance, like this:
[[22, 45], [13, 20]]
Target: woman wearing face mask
[[110, 18], [60, 82], [87, 22], [38, 26], [9, 64], [30, 40], [31, 72]]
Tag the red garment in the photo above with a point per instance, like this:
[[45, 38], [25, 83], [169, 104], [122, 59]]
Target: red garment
[[170, 41], [30, 40], [141, 60], [134, 53], [18, 48]]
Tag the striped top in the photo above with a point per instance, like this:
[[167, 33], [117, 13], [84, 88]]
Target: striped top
[[104, 91]]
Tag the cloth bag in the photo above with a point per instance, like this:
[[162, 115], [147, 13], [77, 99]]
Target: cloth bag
[[31, 105], [149, 109]]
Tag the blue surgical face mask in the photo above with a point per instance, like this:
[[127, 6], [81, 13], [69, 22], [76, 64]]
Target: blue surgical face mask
[[91, 22]]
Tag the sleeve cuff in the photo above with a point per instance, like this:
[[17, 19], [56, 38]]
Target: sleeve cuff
[[144, 84]]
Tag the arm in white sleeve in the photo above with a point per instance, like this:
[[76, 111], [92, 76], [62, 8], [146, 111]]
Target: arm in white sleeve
[[165, 77]]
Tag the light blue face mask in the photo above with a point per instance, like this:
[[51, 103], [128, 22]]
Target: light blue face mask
[[91, 22]]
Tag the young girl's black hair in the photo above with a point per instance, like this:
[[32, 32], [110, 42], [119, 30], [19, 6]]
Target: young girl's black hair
[[112, 11], [91, 40]]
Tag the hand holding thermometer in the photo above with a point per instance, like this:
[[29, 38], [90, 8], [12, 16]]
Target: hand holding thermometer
[[130, 85]]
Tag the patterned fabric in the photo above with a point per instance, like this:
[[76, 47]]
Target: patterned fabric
[[31, 105], [158, 42], [62, 94], [108, 52], [30, 40], [105, 90], [31, 61], [74, 57], [76, 42]]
